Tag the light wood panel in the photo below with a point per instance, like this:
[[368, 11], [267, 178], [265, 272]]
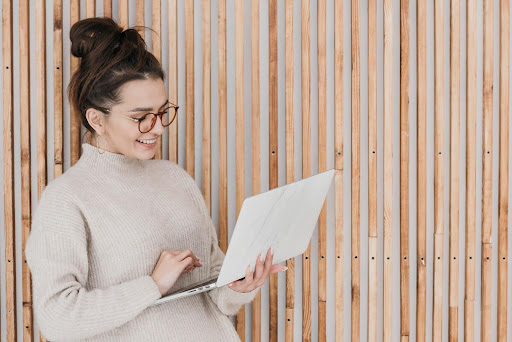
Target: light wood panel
[[123, 13], [223, 200], [437, 312], [471, 96], [272, 145], [74, 115], [404, 170], [504, 110], [239, 135], [26, 208], [306, 163], [255, 146], [487, 152], [90, 8], [372, 172], [8, 175], [421, 197], [107, 8], [156, 40]]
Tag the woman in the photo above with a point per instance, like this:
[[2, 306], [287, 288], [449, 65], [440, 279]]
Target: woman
[[118, 230]]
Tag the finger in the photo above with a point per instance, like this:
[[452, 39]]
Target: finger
[[258, 273], [187, 253], [249, 276], [267, 266], [277, 268]]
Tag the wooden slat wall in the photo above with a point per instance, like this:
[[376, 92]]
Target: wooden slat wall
[[323, 318]]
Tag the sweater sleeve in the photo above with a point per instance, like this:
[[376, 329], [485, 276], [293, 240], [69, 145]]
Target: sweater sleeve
[[227, 300], [56, 253]]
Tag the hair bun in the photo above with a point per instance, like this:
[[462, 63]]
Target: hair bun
[[89, 34]]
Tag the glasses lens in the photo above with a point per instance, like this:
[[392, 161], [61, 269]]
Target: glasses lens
[[146, 123], [167, 116]]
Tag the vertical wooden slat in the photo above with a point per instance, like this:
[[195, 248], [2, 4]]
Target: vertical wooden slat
[[372, 171], [139, 15], [487, 172], [322, 166], [239, 138], [189, 86], [123, 14], [26, 208], [471, 96], [338, 165], [8, 153], [453, 321], [388, 169], [107, 8], [504, 73], [437, 312], [173, 75], [90, 8], [290, 175], [404, 170], [75, 123], [356, 171], [272, 145], [306, 165], [255, 126], [207, 162], [58, 99], [156, 39], [421, 197], [223, 200], [41, 157]]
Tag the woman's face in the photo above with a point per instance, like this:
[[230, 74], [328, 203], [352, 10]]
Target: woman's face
[[138, 97]]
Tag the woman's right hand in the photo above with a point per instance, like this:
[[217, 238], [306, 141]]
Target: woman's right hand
[[171, 265]]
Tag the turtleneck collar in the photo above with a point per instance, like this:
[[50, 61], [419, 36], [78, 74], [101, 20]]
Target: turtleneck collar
[[109, 162]]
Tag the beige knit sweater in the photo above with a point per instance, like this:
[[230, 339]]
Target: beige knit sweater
[[97, 234]]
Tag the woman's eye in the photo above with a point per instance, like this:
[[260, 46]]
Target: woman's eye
[[140, 119]]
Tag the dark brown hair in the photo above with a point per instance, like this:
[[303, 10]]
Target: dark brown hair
[[109, 57]]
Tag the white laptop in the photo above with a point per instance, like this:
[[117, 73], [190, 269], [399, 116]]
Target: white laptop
[[283, 218]]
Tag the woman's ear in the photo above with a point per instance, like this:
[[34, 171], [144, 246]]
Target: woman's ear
[[96, 120]]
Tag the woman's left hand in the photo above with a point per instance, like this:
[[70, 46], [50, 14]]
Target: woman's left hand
[[262, 270]]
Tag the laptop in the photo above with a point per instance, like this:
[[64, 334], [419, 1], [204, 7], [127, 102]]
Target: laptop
[[283, 218]]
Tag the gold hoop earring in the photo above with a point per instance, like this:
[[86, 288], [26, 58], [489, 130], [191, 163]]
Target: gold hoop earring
[[98, 148]]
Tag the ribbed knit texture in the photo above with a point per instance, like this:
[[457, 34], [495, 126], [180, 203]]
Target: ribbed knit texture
[[96, 236]]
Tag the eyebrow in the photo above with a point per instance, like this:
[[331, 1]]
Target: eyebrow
[[146, 109]]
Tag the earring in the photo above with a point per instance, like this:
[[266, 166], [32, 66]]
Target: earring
[[99, 149]]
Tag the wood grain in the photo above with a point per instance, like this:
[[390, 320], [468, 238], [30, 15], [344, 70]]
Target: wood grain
[[8, 163], [255, 143], [404, 170], [504, 72]]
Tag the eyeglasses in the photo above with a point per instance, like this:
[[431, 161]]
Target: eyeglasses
[[147, 122]]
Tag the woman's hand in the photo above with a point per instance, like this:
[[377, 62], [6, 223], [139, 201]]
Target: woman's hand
[[171, 265], [262, 270]]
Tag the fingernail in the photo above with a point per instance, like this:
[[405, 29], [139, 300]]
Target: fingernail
[[261, 258], [230, 285], [284, 269], [271, 250]]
